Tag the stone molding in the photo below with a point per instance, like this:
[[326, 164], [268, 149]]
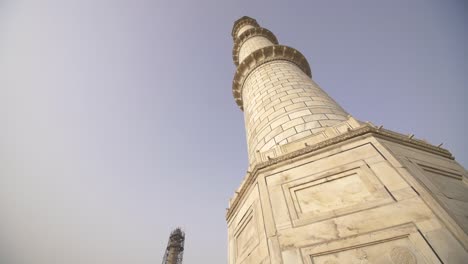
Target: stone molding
[[250, 33], [367, 129], [262, 56], [245, 20], [326, 133]]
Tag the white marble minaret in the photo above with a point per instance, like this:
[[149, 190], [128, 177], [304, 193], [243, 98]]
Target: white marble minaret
[[272, 85], [323, 187]]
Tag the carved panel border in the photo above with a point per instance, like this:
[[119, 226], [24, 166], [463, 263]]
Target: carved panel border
[[404, 242], [357, 175], [248, 221]]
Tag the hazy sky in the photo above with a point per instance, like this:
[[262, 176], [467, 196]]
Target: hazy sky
[[117, 121]]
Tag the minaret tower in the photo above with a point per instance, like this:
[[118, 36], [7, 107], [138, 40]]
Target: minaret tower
[[175, 247], [323, 187], [273, 87]]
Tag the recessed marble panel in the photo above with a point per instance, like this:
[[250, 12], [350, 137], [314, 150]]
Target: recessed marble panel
[[401, 244], [329, 195], [399, 251], [246, 235], [342, 190]]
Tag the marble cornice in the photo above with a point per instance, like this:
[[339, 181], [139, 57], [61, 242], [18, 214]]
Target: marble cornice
[[251, 176], [262, 56], [245, 20], [249, 33]]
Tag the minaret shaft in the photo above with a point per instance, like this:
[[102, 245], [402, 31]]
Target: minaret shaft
[[252, 45], [281, 102], [243, 29]]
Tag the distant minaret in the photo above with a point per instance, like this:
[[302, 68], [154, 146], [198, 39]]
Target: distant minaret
[[175, 247], [325, 188]]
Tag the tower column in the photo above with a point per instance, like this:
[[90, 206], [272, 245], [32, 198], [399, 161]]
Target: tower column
[[323, 187], [273, 87]]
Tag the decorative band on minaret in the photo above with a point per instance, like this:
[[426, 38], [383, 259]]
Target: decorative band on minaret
[[273, 86]]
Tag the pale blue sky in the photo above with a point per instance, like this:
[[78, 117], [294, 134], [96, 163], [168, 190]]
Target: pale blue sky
[[117, 121]]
